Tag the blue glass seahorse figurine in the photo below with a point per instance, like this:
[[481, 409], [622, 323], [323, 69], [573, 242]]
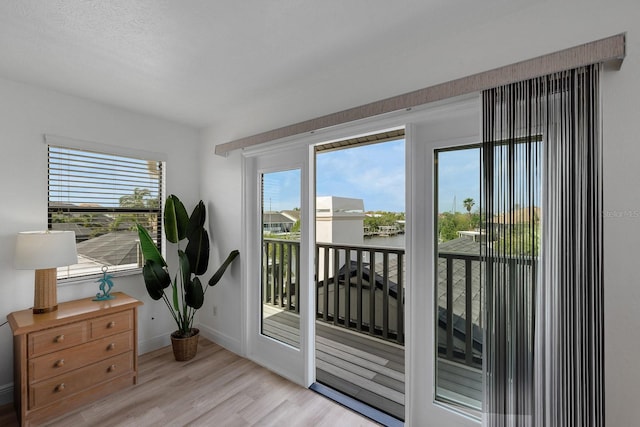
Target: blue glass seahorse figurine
[[105, 286]]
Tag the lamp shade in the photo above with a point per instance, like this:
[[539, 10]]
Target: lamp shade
[[37, 250]]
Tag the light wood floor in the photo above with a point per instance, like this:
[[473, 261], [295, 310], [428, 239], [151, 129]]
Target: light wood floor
[[216, 388]]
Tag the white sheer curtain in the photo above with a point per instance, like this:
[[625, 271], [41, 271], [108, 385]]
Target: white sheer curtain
[[542, 203]]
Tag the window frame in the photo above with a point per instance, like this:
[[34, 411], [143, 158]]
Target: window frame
[[66, 275]]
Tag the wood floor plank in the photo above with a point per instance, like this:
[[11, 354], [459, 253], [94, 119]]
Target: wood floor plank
[[390, 382], [281, 332], [353, 351], [346, 365], [362, 382], [216, 388], [328, 352], [364, 342]]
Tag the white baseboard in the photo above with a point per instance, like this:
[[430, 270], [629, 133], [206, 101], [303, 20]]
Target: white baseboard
[[221, 339], [6, 394]]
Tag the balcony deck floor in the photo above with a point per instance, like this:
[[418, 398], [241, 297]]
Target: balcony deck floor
[[366, 368], [369, 369]]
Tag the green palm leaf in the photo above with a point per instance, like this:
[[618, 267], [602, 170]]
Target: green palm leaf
[[156, 279], [218, 274], [148, 246], [194, 294], [176, 219]]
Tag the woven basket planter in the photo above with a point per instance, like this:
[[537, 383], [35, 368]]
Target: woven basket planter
[[185, 348]]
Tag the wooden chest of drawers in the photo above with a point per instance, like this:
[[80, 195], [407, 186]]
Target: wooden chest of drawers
[[67, 358]]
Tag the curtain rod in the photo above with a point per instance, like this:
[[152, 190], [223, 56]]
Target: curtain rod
[[610, 51]]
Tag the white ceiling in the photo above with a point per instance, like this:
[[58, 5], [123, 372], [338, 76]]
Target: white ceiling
[[207, 62]]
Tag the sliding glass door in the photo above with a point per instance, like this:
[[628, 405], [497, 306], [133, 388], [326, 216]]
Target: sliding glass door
[[361, 294], [444, 383], [467, 252], [277, 286]]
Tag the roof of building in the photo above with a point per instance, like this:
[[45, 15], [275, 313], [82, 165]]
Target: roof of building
[[275, 218], [462, 245], [293, 215], [116, 248], [82, 233]]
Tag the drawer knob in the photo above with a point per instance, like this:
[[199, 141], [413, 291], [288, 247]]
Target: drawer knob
[[59, 363], [59, 338], [112, 368], [111, 346], [59, 388], [111, 325]]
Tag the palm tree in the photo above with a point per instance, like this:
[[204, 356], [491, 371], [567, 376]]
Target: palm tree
[[141, 198], [136, 200], [468, 204]]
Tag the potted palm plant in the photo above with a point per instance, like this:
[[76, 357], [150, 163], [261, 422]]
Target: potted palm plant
[[186, 293]]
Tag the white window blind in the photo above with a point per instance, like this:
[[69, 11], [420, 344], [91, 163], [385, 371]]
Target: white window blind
[[101, 197]]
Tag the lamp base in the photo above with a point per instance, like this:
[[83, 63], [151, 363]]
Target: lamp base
[[45, 310], [45, 298]]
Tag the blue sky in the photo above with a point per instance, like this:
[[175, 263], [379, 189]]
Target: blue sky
[[79, 176], [458, 178], [376, 174], [373, 172], [281, 190]]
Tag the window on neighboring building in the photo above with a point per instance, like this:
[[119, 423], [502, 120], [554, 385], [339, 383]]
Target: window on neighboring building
[[101, 197]]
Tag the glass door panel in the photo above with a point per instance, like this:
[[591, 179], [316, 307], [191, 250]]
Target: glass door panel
[[458, 322], [280, 263], [277, 262]]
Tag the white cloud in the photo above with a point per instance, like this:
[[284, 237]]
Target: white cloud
[[375, 173]]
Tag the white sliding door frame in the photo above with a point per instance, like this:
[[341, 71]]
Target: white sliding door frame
[[420, 405], [457, 124], [292, 363]]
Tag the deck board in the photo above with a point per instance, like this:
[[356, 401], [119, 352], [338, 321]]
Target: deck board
[[361, 382], [368, 368], [327, 351], [358, 365], [368, 344]]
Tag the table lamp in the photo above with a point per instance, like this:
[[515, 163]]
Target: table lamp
[[43, 251]]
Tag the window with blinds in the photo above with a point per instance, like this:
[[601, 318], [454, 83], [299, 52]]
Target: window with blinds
[[101, 197]]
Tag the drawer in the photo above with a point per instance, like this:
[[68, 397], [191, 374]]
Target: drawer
[[59, 338], [52, 364], [111, 324], [63, 386]]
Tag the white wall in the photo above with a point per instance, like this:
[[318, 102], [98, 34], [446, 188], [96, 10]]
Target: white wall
[[26, 113], [222, 192], [540, 28]]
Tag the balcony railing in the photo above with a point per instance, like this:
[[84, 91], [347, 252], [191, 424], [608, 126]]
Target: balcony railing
[[362, 289], [461, 280], [460, 311], [280, 267]]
